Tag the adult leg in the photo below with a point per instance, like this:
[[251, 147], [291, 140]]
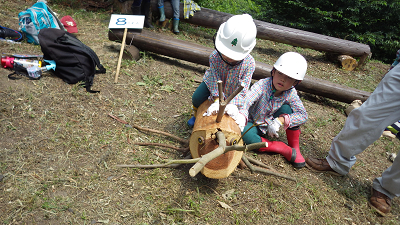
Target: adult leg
[[175, 22], [136, 7], [147, 13], [364, 125], [389, 182], [161, 10]]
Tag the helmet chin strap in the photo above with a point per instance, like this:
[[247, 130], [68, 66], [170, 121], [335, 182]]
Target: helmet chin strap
[[231, 64]]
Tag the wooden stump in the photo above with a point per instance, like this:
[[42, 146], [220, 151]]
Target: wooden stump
[[131, 53], [348, 62], [203, 141]]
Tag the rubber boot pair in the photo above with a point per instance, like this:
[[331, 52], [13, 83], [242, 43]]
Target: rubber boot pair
[[291, 152], [175, 22]]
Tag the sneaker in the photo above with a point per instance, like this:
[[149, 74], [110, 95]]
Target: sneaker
[[191, 121]]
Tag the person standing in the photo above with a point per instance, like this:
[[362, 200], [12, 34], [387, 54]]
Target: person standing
[[363, 127]]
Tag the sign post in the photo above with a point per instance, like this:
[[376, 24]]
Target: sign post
[[124, 21]]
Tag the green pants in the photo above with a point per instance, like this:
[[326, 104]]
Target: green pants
[[200, 95], [254, 134]]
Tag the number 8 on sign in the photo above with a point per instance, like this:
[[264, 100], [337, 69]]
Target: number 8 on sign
[[118, 21]]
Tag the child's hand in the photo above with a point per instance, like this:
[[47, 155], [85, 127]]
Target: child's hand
[[232, 110], [213, 109], [241, 121], [274, 128]]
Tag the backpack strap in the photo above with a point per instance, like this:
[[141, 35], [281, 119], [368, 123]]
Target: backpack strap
[[21, 71], [10, 33]]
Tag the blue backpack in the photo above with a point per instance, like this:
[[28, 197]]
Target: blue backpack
[[35, 18]]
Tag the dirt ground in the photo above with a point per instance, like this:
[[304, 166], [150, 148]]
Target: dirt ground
[[59, 147]]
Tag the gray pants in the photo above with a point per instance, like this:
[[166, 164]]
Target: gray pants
[[364, 126], [175, 6]]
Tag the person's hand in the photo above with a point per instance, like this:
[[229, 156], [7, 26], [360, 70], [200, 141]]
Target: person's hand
[[232, 110], [274, 128], [213, 109]]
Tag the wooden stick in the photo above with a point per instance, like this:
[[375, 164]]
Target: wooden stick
[[162, 145], [223, 104], [121, 52], [261, 170], [183, 141]]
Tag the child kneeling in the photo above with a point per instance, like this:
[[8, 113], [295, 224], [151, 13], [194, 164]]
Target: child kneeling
[[273, 102]]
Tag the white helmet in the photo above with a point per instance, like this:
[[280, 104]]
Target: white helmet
[[292, 64], [236, 37]]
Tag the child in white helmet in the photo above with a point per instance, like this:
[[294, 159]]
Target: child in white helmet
[[231, 63], [273, 103]]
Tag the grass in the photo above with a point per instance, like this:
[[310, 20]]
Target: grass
[[59, 147]]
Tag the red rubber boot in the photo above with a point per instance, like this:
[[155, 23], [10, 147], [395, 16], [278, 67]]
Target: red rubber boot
[[293, 137], [280, 148]]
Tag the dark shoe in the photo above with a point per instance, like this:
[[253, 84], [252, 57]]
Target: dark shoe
[[380, 202], [320, 166], [191, 121], [147, 14]]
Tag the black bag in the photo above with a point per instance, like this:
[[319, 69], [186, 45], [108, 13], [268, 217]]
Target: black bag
[[74, 60]]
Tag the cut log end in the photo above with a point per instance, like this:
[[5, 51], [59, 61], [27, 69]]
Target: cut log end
[[348, 63]]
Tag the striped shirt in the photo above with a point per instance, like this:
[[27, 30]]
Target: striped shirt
[[260, 108], [231, 77]]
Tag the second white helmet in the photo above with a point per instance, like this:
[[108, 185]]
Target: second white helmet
[[236, 37], [292, 64]]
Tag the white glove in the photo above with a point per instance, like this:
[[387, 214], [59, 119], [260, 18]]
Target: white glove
[[274, 128], [213, 109], [232, 110], [241, 121]]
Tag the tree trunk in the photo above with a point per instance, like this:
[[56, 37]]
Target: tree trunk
[[213, 19], [164, 45], [203, 140]]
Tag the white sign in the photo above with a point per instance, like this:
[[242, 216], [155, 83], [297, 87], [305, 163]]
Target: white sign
[[126, 21]]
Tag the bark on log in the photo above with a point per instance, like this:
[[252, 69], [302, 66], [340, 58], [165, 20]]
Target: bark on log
[[203, 141], [213, 19], [164, 45]]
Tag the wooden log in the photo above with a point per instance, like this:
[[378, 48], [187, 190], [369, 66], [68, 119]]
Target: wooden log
[[131, 53], [347, 62], [203, 141], [268, 31], [164, 45]]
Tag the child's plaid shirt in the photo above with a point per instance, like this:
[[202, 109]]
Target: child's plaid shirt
[[231, 77], [260, 108]]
